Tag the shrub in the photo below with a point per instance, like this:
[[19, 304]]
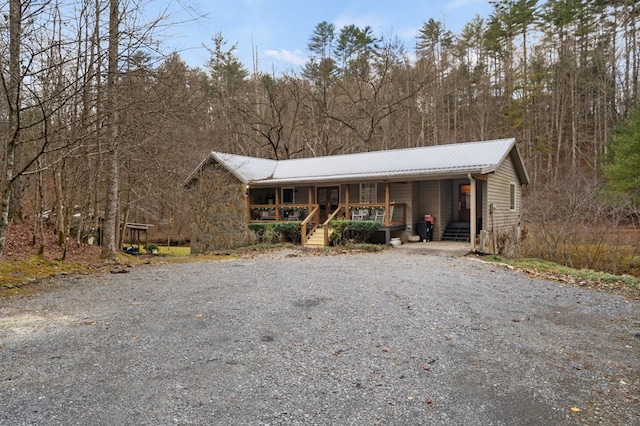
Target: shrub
[[355, 231], [271, 233]]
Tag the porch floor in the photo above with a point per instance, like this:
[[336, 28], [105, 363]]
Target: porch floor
[[388, 229]]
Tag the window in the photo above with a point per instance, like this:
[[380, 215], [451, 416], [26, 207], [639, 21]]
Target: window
[[512, 196], [368, 193], [288, 195]]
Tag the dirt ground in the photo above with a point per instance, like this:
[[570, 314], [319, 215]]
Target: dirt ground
[[19, 246], [286, 338]]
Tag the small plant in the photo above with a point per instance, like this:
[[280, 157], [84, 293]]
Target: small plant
[[151, 248]]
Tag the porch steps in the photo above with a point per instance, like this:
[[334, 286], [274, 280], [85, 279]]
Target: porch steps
[[316, 240], [457, 231]]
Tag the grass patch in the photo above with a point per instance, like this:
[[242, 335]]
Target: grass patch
[[582, 277], [16, 273], [372, 248], [18, 276], [174, 251]]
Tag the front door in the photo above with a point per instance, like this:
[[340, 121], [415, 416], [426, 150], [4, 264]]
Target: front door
[[328, 199], [464, 203]]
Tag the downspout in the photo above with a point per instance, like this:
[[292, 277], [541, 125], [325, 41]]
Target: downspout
[[473, 219]]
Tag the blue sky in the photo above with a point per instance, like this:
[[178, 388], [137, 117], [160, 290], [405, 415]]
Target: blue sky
[[279, 30]]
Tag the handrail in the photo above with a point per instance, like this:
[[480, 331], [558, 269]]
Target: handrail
[[332, 215], [325, 225], [303, 225]]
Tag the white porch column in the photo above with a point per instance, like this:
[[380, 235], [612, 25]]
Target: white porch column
[[474, 214]]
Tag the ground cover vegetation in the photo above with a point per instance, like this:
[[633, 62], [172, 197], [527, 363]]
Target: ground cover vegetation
[[100, 127]]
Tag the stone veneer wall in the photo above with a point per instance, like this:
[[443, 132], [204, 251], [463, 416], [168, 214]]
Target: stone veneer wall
[[218, 211]]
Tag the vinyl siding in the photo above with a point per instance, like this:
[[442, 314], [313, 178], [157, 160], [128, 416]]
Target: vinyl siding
[[498, 193], [400, 193], [429, 202]]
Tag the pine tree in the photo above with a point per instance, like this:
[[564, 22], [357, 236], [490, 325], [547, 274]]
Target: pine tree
[[623, 167]]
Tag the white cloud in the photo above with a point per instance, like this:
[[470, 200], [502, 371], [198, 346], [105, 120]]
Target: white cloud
[[295, 58]]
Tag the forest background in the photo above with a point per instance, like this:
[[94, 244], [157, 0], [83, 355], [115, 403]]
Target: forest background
[[98, 122]]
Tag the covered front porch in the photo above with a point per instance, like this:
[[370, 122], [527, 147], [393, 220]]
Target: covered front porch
[[321, 205]]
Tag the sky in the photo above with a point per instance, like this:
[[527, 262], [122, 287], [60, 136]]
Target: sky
[[278, 31]]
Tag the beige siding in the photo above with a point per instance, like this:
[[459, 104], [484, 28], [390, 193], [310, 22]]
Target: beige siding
[[400, 193], [354, 193], [429, 197], [300, 195], [502, 219]]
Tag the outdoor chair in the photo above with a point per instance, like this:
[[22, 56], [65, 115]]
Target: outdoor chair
[[294, 215], [360, 214], [268, 215], [380, 215]]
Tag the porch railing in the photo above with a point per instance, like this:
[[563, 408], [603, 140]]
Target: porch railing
[[366, 211], [314, 218], [325, 225], [271, 212], [280, 212]]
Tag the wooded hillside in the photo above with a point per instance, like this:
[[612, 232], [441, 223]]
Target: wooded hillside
[[556, 75]]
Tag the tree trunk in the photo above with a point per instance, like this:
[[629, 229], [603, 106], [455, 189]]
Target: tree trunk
[[111, 158], [13, 95]]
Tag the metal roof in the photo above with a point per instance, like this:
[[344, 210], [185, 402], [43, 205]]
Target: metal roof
[[435, 161]]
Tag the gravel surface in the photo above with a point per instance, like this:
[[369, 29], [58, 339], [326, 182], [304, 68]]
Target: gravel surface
[[281, 338]]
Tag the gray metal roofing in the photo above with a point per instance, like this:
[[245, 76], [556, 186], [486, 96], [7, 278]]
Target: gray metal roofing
[[470, 157]]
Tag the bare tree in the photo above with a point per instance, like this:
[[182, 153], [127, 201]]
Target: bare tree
[[11, 85]]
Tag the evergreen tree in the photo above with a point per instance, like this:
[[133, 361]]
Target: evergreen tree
[[227, 72], [321, 68], [623, 167]]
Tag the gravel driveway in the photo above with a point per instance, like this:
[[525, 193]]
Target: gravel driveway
[[389, 338]]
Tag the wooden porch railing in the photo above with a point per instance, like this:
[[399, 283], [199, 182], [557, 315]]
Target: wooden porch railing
[[325, 225], [313, 217], [271, 212], [399, 209]]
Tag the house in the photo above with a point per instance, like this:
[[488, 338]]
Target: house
[[467, 191]]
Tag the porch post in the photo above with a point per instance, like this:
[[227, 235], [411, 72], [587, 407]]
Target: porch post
[[347, 200], [310, 198], [277, 204], [387, 204], [473, 218], [246, 189]]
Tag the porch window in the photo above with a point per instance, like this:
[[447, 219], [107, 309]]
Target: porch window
[[512, 196], [368, 193], [288, 196]]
